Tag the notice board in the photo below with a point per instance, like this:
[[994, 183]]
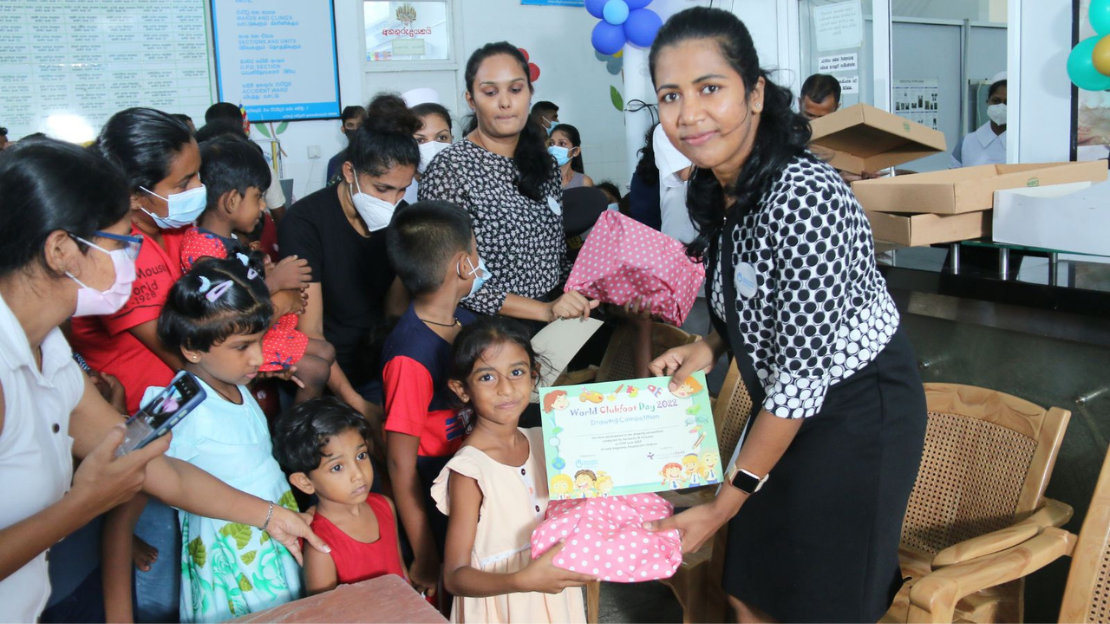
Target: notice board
[[67, 65], [277, 58]]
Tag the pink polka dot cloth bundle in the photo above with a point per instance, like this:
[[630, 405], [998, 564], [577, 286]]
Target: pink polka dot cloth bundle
[[624, 259], [603, 537]]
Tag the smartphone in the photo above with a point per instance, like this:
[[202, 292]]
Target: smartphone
[[158, 415]]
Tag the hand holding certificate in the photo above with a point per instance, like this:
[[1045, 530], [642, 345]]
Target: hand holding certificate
[[628, 437]]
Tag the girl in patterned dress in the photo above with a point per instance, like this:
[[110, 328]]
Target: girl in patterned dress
[[238, 176], [216, 317]]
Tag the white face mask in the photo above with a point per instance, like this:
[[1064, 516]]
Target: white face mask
[[184, 208], [93, 302], [997, 113], [376, 213], [428, 151]]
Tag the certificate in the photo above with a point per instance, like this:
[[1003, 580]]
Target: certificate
[[628, 437]]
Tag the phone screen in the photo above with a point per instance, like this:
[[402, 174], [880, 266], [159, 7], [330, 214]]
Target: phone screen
[[167, 404]]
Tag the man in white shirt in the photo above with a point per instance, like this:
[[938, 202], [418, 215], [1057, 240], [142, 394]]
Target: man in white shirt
[[987, 145], [674, 172]]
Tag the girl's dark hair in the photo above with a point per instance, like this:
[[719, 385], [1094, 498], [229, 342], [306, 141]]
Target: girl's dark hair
[[384, 140], [301, 433], [229, 163], [575, 138], [782, 134], [431, 108], [47, 186], [476, 338], [646, 167], [190, 320], [142, 142], [533, 164]]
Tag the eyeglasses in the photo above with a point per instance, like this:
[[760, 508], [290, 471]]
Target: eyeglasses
[[131, 244]]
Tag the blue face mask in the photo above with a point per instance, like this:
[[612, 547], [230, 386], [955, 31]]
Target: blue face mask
[[480, 274], [551, 125], [561, 154], [613, 207], [184, 208]]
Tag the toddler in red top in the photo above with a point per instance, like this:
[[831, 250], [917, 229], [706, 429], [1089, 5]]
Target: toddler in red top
[[323, 445], [236, 176]]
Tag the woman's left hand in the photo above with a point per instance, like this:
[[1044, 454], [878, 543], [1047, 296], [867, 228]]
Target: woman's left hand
[[287, 526], [696, 525]]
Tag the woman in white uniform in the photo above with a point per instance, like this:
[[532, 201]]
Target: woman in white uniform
[[66, 250], [987, 145]]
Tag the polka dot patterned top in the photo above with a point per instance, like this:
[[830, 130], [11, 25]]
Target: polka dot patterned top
[[820, 310], [521, 240]]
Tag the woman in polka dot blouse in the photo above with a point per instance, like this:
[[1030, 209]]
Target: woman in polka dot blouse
[[815, 497], [504, 177]]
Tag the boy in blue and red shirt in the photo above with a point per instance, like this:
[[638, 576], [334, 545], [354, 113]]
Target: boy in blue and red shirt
[[432, 248]]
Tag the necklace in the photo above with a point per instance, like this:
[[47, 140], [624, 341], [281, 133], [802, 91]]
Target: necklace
[[455, 324]]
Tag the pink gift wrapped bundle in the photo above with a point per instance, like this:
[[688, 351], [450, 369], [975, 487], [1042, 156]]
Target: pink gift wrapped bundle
[[624, 259], [603, 537]]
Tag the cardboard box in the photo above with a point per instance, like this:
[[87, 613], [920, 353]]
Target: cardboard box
[[970, 189], [1066, 217], [917, 230], [863, 138]]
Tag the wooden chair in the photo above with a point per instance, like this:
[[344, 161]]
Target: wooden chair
[[1086, 595], [617, 363], [980, 489], [697, 582]]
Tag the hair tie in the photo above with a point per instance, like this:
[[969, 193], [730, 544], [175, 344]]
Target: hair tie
[[219, 290], [205, 285], [251, 273]]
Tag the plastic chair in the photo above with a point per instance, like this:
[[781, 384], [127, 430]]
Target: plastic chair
[[980, 489], [1086, 595]]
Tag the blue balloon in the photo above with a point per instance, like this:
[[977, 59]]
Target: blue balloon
[[641, 27], [1081, 67], [1099, 14], [639, 4], [607, 38], [596, 8], [615, 12]]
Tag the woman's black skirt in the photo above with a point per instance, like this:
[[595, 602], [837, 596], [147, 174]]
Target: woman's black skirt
[[819, 542]]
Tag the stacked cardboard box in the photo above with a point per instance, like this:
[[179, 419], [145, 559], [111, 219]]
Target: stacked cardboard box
[[955, 205]]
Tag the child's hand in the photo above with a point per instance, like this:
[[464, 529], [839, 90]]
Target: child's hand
[[424, 574], [637, 311], [111, 389], [571, 305], [291, 273], [541, 575], [288, 302]]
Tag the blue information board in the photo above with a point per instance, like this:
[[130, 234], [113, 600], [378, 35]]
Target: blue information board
[[277, 58]]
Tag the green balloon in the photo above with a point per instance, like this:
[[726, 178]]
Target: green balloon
[[1081, 67], [1099, 15]]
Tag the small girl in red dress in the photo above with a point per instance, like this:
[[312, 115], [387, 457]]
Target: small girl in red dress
[[236, 176], [323, 445]]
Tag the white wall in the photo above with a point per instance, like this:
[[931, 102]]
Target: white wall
[[557, 40], [1044, 115]]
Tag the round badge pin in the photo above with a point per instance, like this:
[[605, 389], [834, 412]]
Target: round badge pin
[[554, 205], [745, 280]]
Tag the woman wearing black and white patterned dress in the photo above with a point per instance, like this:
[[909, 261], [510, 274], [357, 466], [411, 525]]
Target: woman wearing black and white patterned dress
[[504, 177], [816, 496]]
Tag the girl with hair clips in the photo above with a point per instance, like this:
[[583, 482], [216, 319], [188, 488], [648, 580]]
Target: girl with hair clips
[[815, 497], [503, 175]]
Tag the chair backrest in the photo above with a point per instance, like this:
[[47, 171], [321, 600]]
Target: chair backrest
[[988, 458], [731, 412], [616, 364], [1087, 594]]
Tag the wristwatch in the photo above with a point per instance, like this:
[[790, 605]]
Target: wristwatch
[[745, 481]]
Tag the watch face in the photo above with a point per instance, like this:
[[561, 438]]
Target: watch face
[[746, 482]]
